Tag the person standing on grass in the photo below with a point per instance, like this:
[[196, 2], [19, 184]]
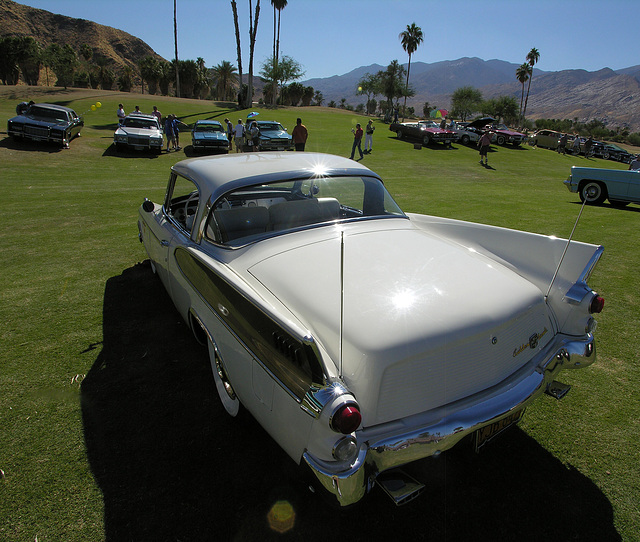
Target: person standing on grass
[[368, 137], [229, 133], [485, 144], [562, 144], [121, 114], [168, 132], [176, 131], [575, 148], [238, 133], [357, 141], [300, 135], [587, 147]]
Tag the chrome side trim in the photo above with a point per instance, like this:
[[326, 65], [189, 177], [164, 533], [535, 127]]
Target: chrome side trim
[[397, 443]]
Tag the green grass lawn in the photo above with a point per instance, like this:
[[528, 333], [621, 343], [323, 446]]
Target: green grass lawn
[[75, 411]]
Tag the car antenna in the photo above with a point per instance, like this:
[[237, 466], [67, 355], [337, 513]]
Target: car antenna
[[566, 248], [341, 299]]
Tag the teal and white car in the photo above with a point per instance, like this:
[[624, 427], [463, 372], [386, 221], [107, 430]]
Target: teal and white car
[[594, 185]]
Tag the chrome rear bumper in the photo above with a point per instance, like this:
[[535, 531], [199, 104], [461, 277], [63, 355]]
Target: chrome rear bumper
[[397, 443]]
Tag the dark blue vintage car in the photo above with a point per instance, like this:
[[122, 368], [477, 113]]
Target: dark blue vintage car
[[46, 122], [274, 137], [209, 135]]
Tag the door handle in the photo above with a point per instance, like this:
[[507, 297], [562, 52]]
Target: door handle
[[164, 243]]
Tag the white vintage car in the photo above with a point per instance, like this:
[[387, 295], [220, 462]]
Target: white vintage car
[[360, 337], [139, 132]]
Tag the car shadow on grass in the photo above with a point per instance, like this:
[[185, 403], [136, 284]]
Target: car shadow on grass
[[172, 465], [32, 146], [129, 153], [626, 208]]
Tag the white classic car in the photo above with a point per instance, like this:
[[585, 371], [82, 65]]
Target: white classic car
[[360, 337], [594, 185], [139, 132]]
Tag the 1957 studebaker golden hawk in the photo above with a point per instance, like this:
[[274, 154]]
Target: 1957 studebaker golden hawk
[[360, 337]]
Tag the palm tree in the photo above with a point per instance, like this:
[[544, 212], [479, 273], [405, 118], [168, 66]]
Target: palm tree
[[522, 75], [226, 77], [410, 39], [175, 39], [253, 31], [234, 8], [278, 5], [532, 58]]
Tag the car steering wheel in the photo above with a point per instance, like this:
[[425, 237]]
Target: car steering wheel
[[191, 197]]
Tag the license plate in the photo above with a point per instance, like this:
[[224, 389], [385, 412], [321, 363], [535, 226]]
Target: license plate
[[488, 432]]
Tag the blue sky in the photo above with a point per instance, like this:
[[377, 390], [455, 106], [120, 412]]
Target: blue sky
[[332, 37]]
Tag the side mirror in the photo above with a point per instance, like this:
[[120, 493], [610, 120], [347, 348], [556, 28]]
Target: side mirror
[[148, 205]]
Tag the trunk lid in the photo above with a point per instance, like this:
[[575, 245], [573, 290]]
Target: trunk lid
[[426, 322]]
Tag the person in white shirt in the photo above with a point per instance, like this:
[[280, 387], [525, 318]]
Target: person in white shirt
[[238, 135], [121, 114]]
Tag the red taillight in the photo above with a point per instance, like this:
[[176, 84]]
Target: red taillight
[[346, 419], [597, 304]]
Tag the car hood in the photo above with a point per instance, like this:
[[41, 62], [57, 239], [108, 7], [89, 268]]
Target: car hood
[[419, 313], [145, 132], [209, 135], [275, 134]]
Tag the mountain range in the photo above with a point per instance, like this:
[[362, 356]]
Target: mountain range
[[607, 95]]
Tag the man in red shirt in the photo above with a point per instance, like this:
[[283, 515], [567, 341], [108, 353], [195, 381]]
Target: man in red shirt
[[299, 135], [357, 140]]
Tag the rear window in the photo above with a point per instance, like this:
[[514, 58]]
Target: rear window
[[252, 212]]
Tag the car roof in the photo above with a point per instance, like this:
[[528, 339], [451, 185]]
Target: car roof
[[54, 106], [232, 171], [266, 121], [207, 121], [141, 116]]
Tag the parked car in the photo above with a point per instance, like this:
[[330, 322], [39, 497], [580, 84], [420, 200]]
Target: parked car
[[597, 147], [274, 136], [139, 132], [425, 131], [349, 329], [617, 153], [209, 135], [594, 185], [548, 139], [46, 122], [466, 135], [502, 133]]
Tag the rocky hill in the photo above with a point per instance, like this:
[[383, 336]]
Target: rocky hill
[[118, 48]]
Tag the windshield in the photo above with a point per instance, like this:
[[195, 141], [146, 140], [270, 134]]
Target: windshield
[[252, 212], [270, 126], [131, 122], [208, 128]]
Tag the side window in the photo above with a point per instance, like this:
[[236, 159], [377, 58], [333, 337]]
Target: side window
[[182, 201]]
